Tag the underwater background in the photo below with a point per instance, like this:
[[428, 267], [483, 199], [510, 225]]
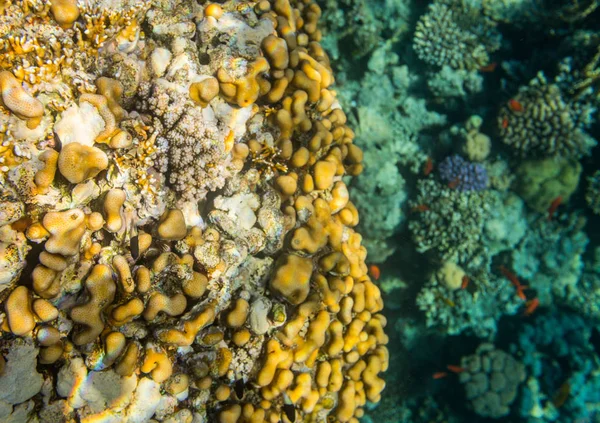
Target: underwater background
[[480, 201], [285, 211]]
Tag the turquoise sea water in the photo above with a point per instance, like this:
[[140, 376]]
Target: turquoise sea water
[[492, 295]]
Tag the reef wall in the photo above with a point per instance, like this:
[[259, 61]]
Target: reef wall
[[177, 243]]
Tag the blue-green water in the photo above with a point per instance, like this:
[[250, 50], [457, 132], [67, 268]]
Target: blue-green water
[[512, 268]]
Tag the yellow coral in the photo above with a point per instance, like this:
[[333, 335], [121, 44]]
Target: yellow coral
[[18, 101]]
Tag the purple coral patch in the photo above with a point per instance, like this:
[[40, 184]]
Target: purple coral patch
[[463, 175]]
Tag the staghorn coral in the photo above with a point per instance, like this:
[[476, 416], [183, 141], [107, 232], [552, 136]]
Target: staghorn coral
[[543, 120], [160, 208]]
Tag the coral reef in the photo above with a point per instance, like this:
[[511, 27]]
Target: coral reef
[[462, 175], [176, 239], [558, 353], [448, 222], [491, 379], [540, 182], [592, 192], [542, 120], [460, 257], [457, 34]]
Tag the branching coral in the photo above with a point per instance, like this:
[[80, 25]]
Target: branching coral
[[447, 222], [542, 120], [455, 33]]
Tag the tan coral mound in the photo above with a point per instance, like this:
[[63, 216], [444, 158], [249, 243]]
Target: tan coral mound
[[197, 256]]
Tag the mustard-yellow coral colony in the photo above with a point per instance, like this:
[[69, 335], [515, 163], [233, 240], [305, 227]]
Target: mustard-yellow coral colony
[[176, 238]]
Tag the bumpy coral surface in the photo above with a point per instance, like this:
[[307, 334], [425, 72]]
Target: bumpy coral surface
[[542, 120], [491, 379], [455, 34], [592, 193], [448, 222], [176, 239], [462, 175]]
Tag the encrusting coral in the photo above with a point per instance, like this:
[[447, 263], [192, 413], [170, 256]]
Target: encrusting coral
[[176, 187]]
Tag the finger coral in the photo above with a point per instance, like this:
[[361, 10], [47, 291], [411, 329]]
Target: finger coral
[[449, 34], [542, 120], [193, 244], [448, 222]]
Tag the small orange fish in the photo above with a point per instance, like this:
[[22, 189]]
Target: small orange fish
[[515, 281], [465, 282], [515, 105], [420, 208], [553, 206], [453, 184], [439, 375], [504, 123], [375, 272], [428, 167], [530, 306], [455, 369], [489, 68]]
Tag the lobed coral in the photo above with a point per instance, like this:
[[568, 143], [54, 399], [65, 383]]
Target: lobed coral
[[491, 380], [540, 182], [196, 255]]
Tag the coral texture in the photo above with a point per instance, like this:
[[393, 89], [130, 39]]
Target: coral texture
[[462, 175], [448, 222], [173, 174], [491, 380], [455, 34], [541, 120]]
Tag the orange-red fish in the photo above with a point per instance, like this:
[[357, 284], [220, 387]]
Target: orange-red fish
[[515, 281], [428, 167], [553, 206], [420, 208], [515, 105], [504, 123], [439, 375], [374, 271], [455, 369], [489, 68], [465, 282], [453, 184], [530, 306]]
